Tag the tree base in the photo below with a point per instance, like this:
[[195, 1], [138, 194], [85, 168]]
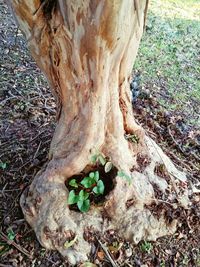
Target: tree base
[[136, 210], [87, 49]]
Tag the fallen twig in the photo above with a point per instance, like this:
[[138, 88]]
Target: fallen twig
[[171, 174], [11, 242], [187, 166], [114, 264], [176, 143]]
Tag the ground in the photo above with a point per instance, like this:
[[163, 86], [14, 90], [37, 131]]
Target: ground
[[166, 101]]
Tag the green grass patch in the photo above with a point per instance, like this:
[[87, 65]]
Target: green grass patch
[[169, 55]]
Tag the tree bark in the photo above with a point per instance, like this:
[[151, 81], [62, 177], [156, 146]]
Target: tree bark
[[86, 49]]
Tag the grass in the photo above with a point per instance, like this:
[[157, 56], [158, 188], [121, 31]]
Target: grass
[[169, 56]]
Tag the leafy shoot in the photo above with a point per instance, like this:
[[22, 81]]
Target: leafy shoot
[[89, 185]]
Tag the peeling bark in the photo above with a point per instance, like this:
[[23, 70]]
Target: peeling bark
[[86, 49]]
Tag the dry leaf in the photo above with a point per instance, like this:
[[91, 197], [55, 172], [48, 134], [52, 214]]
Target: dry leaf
[[108, 166], [100, 255]]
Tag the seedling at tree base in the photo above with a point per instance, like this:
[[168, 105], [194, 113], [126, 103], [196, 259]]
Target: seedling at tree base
[[124, 175], [90, 185], [98, 157]]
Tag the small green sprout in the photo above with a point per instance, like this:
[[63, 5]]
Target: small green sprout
[[83, 201], [99, 188], [11, 234], [99, 157], [123, 174], [146, 247], [3, 165], [72, 198], [90, 184], [73, 183]]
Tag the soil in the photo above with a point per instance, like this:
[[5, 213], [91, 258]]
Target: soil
[[27, 123]]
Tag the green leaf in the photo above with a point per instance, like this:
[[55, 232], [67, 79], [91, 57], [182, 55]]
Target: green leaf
[[95, 190], [96, 176], [94, 158], [11, 234], [83, 195], [72, 198], [124, 175], [99, 189], [120, 173], [73, 183], [108, 166], [3, 165], [69, 244], [84, 205], [127, 177], [102, 160], [87, 182], [146, 246], [91, 175]]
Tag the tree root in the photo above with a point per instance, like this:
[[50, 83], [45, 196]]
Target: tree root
[[127, 208]]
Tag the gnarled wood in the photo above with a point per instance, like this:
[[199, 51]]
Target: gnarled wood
[[86, 49]]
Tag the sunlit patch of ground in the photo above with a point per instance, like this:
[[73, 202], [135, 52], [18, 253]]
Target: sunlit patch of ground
[[169, 56]]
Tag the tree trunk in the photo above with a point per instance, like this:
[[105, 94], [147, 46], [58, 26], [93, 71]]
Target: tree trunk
[[87, 49]]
